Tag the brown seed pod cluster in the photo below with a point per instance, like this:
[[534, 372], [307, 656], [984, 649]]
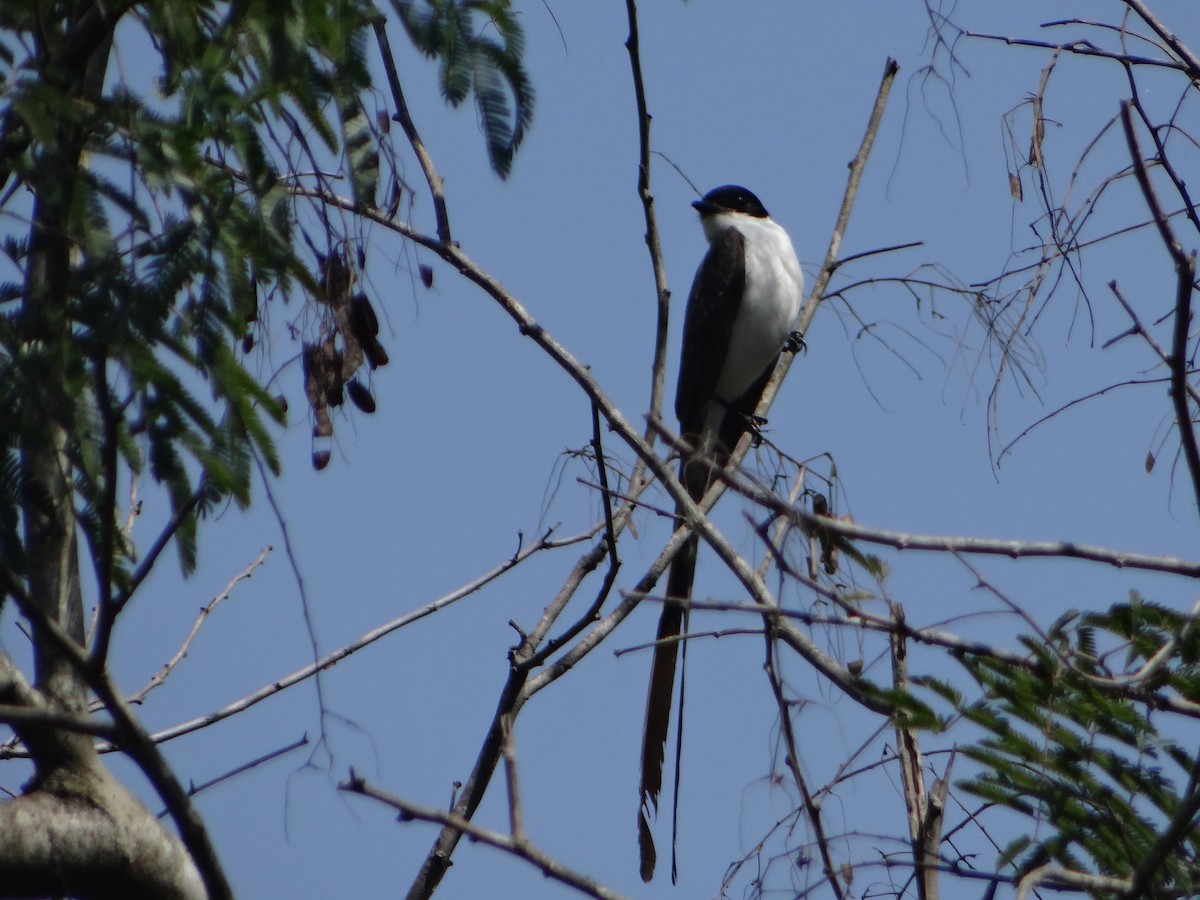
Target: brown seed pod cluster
[[348, 339]]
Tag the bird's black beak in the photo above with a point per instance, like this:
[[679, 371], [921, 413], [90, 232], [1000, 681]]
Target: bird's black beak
[[705, 207]]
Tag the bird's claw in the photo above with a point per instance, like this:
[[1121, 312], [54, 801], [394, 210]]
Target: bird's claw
[[754, 425]]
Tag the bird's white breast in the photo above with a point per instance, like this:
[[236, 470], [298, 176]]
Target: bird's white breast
[[771, 302]]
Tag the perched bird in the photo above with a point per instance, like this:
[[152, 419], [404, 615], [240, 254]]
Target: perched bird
[[740, 313]]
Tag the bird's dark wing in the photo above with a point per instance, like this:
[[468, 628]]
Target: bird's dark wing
[[707, 325]]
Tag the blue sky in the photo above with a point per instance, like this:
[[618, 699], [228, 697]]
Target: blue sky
[[467, 449]]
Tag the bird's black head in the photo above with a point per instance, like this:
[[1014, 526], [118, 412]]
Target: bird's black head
[[731, 198]]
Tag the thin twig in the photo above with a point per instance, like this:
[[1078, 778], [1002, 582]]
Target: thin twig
[[1081, 48], [404, 117], [513, 695], [605, 494], [194, 789], [925, 808], [205, 611], [1162, 158], [967, 545], [178, 517], [658, 366], [1177, 46], [336, 656], [521, 849], [1140, 329], [857, 167], [792, 761], [862, 254]]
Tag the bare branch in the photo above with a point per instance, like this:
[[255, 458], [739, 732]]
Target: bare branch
[[1140, 329], [1130, 687], [792, 761], [1177, 46], [968, 545], [605, 494], [402, 115], [336, 656], [924, 817], [857, 167], [653, 244], [195, 789], [1082, 48], [162, 674], [514, 845], [1185, 269], [1179, 830], [134, 742], [178, 517]]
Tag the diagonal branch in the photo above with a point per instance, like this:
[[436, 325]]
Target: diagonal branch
[[162, 674], [1185, 269], [403, 116], [1180, 829], [1178, 47], [515, 845], [857, 167], [1082, 48]]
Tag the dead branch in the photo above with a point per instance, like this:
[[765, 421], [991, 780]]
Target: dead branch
[[792, 760], [513, 845], [205, 611], [967, 545], [402, 115], [653, 243], [1185, 269], [1081, 48], [1176, 46]]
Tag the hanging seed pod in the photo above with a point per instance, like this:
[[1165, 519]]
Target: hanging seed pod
[[360, 396], [375, 354], [363, 321]]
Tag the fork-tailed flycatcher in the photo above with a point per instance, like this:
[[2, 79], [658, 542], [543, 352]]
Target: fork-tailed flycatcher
[[743, 306]]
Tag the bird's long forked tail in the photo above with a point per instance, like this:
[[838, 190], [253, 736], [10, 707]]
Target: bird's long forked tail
[[658, 701], [696, 472]]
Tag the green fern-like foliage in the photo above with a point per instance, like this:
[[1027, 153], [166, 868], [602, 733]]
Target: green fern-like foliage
[[1082, 743], [165, 222], [479, 46], [170, 225]]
